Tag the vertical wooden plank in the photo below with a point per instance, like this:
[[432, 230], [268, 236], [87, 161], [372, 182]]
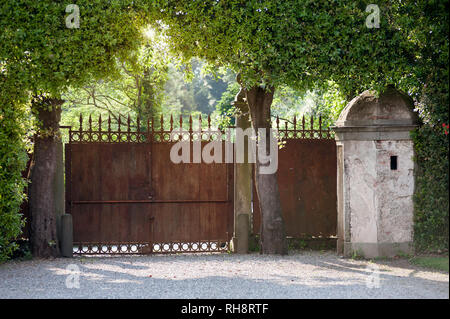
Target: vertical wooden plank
[[158, 231], [206, 216], [107, 214]]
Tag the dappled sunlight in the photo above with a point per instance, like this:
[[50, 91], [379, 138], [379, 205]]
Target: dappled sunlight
[[311, 275]]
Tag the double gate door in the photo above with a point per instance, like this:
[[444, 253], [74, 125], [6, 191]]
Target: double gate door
[[125, 195]]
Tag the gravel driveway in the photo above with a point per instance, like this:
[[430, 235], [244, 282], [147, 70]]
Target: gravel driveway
[[299, 275]]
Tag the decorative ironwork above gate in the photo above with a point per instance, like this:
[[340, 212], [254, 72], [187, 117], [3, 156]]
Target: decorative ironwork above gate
[[303, 132], [136, 133]]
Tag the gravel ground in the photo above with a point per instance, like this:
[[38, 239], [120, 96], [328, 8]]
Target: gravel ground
[[299, 275]]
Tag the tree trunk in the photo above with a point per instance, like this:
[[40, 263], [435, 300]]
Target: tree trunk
[[44, 240], [273, 235]]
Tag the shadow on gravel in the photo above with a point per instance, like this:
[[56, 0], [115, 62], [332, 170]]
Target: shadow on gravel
[[118, 282], [328, 262], [136, 277]]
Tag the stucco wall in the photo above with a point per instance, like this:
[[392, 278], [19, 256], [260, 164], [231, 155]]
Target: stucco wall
[[360, 180], [395, 189], [378, 201]]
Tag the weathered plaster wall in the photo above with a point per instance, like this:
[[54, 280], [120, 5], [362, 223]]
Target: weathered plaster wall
[[374, 187], [360, 179], [395, 191]]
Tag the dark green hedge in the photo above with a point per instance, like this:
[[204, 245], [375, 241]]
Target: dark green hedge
[[431, 24], [13, 159], [431, 196]]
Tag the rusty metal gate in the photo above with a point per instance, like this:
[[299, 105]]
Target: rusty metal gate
[[307, 170], [126, 196]]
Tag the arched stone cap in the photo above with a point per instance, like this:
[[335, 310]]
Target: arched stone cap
[[391, 108]]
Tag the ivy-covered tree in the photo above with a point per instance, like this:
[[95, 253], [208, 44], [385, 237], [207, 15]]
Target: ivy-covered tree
[[46, 47], [302, 44]]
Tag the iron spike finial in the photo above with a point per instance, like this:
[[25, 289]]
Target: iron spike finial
[[303, 126], [320, 123]]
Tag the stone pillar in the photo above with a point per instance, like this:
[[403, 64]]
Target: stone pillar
[[242, 183], [376, 175], [59, 190], [64, 225], [66, 239]]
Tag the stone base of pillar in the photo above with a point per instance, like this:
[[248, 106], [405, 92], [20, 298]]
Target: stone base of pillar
[[233, 244], [66, 240], [240, 241], [339, 247], [374, 250]]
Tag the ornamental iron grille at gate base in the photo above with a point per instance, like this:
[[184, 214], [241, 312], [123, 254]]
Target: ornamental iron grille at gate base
[[127, 197]]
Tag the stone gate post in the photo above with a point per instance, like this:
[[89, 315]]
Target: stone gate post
[[375, 175], [242, 183]]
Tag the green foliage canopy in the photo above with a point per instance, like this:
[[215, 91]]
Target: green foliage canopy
[[300, 44], [49, 57]]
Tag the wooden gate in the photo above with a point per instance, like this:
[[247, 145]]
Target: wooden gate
[[126, 196], [307, 170]]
